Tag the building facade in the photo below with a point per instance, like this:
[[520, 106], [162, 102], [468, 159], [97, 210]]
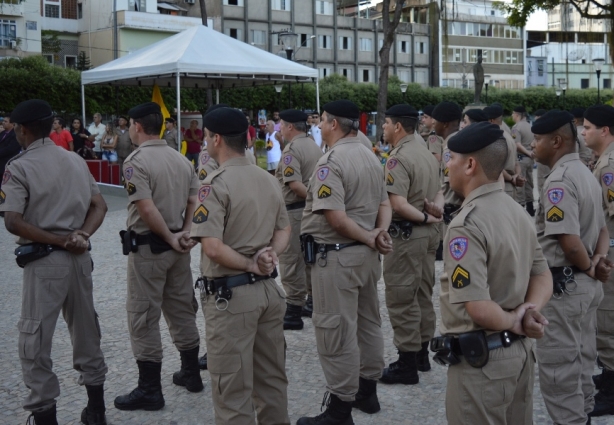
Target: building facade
[[20, 29]]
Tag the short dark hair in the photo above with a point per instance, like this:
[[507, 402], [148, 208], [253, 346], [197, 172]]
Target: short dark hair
[[40, 129], [152, 123], [492, 158], [408, 123], [345, 124], [236, 143], [169, 119], [60, 120]]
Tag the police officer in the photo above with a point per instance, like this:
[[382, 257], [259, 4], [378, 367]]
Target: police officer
[[434, 142], [347, 211], [412, 174], [521, 132], [574, 238], [598, 132], [473, 115], [243, 306], [497, 282], [298, 161], [586, 155], [162, 188], [542, 170], [53, 222]]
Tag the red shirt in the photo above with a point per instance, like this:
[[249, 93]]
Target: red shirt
[[62, 139]]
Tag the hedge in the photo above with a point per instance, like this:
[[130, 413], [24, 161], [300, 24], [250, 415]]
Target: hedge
[[33, 77]]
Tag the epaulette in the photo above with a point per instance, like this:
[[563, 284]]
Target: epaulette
[[558, 173], [461, 215], [132, 154], [213, 175], [19, 155]]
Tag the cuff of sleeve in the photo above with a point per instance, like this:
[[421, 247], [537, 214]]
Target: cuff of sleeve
[[459, 296], [327, 206]]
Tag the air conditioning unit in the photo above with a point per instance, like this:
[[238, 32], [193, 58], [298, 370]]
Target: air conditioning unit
[[13, 44], [189, 1]]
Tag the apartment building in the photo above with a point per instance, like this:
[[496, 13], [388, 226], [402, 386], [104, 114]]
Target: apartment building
[[20, 29]]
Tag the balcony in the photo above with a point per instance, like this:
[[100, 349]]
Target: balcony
[[11, 8], [155, 21]]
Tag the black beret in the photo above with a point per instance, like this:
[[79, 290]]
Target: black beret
[[600, 115], [428, 110], [30, 111], [144, 109], [520, 109], [225, 121], [342, 109], [476, 115], [218, 106], [293, 115], [493, 111], [539, 113], [402, 111], [551, 121], [578, 112], [447, 112], [169, 119], [475, 137]]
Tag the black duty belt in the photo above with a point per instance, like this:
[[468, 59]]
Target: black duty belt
[[238, 280], [295, 206], [34, 251], [323, 248]]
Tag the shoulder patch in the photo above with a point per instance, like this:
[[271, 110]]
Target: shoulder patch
[[6, 176], [322, 173], [200, 215], [288, 172], [389, 180], [555, 195], [131, 188], [554, 215], [204, 158], [432, 139], [607, 178], [2, 197], [324, 192], [458, 248], [391, 163], [202, 174], [460, 278], [203, 192], [446, 156], [287, 159], [610, 195], [128, 173]]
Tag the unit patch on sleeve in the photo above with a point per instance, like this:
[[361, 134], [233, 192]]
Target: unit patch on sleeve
[[324, 192], [128, 173], [446, 157], [288, 172], [607, 178], [131, 188], [323, 173], [205, 158], [6, 177], [287, 159], [460, 278], [555, 195], [389, 180], [458, 248], [610, 195], [554, 215], [203, 192], [200, 215], [202, 174], [2, 197], [391, 163], [432, 139]]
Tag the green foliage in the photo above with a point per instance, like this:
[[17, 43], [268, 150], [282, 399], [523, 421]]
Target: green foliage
[[83, 62], [50, 43]]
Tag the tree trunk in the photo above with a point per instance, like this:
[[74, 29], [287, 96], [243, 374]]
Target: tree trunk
[[389, 28]]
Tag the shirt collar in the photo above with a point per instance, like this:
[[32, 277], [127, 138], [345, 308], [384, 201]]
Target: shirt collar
[[237, 160], [483, 190], [153, 142], [406, 139], [343, 141], [566, 158], [45, 141]]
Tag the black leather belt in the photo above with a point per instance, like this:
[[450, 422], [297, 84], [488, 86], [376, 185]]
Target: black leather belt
[[238, 280], [148, 238], [295, 206], [496, 340], [321, 247], [557, 270]]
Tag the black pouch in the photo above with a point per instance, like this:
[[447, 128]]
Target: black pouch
[[444, 352], [474, 347], [128, 241], [406, 228], [157, 244], [308, 246], [30, 252]]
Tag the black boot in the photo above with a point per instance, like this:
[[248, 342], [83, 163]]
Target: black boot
[[337, 413], [439, 253], [93, 414], [366, 397], [189, 375], [307, 310], [46, 417], [202, 362], [292, 319], [422, 358], [604, 399], [530, 209], [148, 394], [403, 371]]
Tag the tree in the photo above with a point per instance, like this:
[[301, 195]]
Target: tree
[[389, 27], [83, 62], [50, 43]]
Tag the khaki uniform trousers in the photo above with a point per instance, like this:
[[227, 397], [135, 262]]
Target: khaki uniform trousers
[[409, 274], [525, 194], [246, 355], [59, 282], [605, 322], [294, 273], [160, 283], [346, 318], [500, 393], [566, 354]]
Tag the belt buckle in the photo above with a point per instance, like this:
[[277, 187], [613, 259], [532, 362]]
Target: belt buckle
[[252, 278], [506, 339]]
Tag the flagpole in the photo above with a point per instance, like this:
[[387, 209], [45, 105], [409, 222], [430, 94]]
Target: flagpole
[[179, 133]]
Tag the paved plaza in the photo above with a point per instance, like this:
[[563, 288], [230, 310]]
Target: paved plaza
[[417, 404]]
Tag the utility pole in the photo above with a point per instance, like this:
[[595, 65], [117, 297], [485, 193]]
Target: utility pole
[[203, 15]]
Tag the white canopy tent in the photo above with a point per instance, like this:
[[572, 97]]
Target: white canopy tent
[[199, 57]]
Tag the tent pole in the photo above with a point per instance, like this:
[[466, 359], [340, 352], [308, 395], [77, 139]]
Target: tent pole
[[217, 96], [318, 95], [179, 133], [83, 103]]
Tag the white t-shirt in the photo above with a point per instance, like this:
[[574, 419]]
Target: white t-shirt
[[97, 132], [274, 155], [316, 133]]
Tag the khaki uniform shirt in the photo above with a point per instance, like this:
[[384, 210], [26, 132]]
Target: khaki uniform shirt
[[364, 140], [435, 144], [586, 154], [51, 187], [298, 161], [490, 252], [206, 164], [521, 132], [124, 143], [347, 178], [570, 204], [171, 138], [506, 128], [419, 138], [512, 154], [449, 196], [155, 171], [232, 199], [412, 172], [604, 172]]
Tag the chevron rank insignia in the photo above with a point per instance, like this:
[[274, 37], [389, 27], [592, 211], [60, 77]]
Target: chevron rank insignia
[[445, 171], [324, 192], [554, 215], [460, 278], [131, 188], [610, 195], [202, 174], [2, 197], [389, 180], [288, 172], [200, 215]]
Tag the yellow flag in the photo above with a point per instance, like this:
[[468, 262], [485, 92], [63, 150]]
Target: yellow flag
[[157, 98]]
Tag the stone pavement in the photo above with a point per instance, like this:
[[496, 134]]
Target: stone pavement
[[419, 404]]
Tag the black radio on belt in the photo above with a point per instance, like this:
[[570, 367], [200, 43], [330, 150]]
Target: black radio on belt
[[308, 247], [448, 210], [129, 242]]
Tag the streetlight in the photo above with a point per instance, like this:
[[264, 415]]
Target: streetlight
[[278, 88], [403, 90], [486, 81], [564, 88], [288, 39], [558, 95], [598, 63]]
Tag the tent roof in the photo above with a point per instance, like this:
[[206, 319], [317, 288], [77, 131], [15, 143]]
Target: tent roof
[[203, 57]]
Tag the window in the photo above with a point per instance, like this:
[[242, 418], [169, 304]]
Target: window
[[347, 73], [281, 5], [324, 72], [305, 40], [607, 83], [381, 43], [403, 76], [52, 9], [366, 45], [79, 10], [366, 75], [258, 37], [137, 5], [584, 83], [233, 2], [8, 32], [324, 7], [235, 33], [345, 43], [49, 58], [70, 61], [324, 41], [420, 47], [403, 47], [31, 25], [540, 67]]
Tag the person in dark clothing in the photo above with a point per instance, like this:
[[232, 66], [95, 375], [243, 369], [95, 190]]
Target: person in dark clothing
[[9, 147], [80, 140]]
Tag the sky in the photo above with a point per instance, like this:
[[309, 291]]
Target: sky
[[538, 21]]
